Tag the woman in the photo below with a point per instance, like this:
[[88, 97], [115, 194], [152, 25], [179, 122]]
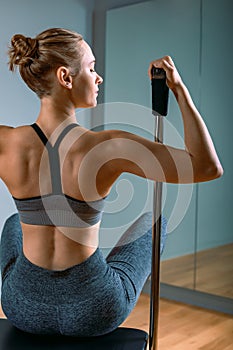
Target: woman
[[55, 279]]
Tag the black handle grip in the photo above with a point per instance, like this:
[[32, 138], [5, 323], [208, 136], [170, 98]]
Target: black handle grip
[[160, 91]]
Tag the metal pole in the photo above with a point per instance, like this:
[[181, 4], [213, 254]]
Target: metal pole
[[156, 233]]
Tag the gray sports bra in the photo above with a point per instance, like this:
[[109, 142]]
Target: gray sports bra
[[58, 209]]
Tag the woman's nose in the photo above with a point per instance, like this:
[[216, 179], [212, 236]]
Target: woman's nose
[[99, 79]]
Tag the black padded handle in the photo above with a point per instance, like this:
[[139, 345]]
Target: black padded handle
[[160, 91]]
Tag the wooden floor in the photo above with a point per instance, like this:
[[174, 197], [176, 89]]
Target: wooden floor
[[214, 271], [183, 327]]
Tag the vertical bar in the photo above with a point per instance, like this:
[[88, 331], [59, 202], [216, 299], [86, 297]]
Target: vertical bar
[[155, 262]]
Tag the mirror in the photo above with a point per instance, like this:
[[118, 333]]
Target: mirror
[[198, 253]]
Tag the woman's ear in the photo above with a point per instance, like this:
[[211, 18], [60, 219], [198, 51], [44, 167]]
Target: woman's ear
[[64, 77]]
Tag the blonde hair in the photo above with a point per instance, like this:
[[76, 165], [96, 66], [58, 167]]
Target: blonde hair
[[38, 57]]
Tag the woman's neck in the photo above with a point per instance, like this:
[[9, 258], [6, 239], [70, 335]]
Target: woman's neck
[[53, 114]]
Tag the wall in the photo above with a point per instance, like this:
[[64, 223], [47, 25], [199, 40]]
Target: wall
[[18, 105], [197, 35]]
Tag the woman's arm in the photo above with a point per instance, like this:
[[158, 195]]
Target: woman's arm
[[196, 163], [196, 136]]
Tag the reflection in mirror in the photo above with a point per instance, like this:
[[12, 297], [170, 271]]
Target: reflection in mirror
[[214, 270]]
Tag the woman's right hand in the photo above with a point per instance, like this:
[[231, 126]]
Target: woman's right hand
[[173, 78]]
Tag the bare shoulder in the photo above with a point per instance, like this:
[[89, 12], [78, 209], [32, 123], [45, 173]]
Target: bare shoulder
[[113, 134], [5, 129], [9, 136], [107, 142], [113, 145], [5, 135], [119, 140]]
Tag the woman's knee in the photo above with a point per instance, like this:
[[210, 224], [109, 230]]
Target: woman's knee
[[147, 216], [147, 220]]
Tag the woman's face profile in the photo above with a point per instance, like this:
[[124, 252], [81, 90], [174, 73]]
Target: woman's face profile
[[86, 83]]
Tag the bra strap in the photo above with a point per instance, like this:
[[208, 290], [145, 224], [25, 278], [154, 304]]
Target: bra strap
[[54, 160], [40, 133]]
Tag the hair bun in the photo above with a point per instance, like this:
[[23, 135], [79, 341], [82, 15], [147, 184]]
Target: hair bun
[[23, 50]]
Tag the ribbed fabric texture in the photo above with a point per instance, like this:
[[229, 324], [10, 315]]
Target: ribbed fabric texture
[[59, 210]]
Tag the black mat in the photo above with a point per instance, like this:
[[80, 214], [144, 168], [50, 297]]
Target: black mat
[[120, 339]]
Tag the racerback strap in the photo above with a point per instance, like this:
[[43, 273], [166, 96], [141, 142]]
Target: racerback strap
[[54, 160]]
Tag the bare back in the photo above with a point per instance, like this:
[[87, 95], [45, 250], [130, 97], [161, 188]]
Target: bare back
[[25, 176]]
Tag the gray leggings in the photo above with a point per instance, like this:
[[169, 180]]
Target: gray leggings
[[88, 299]]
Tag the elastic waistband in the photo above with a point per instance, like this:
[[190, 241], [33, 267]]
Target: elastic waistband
[[83, 268], [42, 285]]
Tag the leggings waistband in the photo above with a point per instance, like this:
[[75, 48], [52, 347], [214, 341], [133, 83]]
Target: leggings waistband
[[32, 280], [84, 268]]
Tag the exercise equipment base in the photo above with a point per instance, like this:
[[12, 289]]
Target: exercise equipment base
[[121, 339]]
